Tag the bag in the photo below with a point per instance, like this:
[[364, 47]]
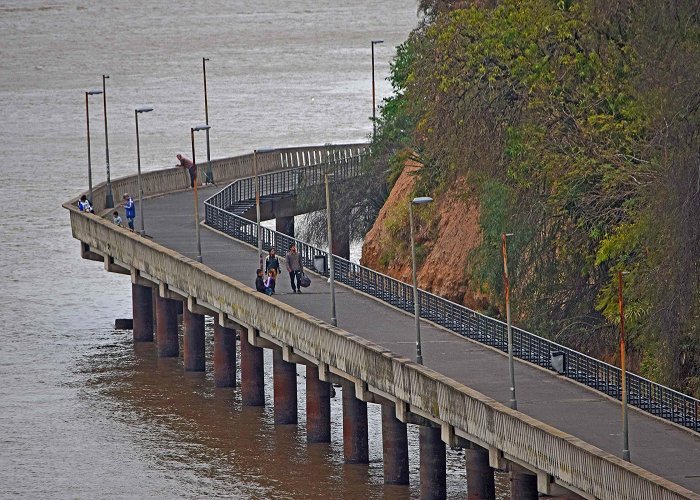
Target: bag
[[304, 281]]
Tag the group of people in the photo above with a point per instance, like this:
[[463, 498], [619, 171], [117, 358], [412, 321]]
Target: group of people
[[265, 281], [129, 210]]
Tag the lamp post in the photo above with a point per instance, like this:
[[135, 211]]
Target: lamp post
[[422, 200], [334, 319], [137, 112], [109, 198], [196, 198], [623, 368], [257, 207], [210, 174], [87, 121], [506, 282], [374, 107]]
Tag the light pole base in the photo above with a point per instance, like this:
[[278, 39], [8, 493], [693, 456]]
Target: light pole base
[[626, 455], [513, 404], [142, 232], [334, 321], [109, 198], [419, 359], [199, 258]]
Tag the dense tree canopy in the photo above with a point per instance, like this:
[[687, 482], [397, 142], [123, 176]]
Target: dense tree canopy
[[577, 122]]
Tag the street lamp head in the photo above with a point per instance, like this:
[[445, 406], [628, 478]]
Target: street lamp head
[[377, 41], [421, 200], [203, 126], [264, 150], [93, 92], [144, 109], [105, 76], [205, 58], [508, 234]]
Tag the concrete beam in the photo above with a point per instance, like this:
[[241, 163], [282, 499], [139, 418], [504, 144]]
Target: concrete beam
[[88, 254], [112, 266]]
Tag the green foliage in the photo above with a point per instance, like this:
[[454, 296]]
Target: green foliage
[[578, 121]]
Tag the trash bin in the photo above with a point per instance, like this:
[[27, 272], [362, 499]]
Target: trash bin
[[558, 360], [320, 264]]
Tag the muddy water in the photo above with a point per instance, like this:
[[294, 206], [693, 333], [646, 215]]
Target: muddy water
[[83, 414]]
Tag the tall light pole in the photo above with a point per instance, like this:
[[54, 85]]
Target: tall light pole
[[334, 319], [210, 174], [196, 198], [109, 197], [422, 200], [374, 106], [87, 121], [506, 282], [137, 112], [257, 207], [623, 368]]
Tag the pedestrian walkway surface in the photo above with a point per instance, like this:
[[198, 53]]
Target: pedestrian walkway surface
[[658, 446]]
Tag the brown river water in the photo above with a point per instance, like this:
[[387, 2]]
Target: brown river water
[[83, 412]]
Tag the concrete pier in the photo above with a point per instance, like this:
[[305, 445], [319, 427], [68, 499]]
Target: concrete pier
[[224, 356], [394, 446], [480, 480], [193, 340], [166, 328], [285, 224], [252, 373], [523, 484], [285, 389], [142, 306], [318, 407], [355, 442], [433, 468]]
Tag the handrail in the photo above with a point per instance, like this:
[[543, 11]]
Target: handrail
[[644, 394]]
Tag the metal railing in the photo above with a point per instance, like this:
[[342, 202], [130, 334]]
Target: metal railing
[[649, 396]]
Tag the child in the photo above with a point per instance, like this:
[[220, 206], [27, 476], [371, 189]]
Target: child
[[260, 283], [270, 281], [116, 219]]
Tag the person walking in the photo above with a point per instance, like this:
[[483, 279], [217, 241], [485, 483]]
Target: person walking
[[272, 262], [295, 268], [129, 210]]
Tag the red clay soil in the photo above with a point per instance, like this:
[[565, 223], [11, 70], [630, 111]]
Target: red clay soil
[[453, 233]]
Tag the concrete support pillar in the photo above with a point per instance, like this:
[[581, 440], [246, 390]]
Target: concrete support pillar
[[355, 442], [284, 376], [252, 373], [318, 407], [395, 447], [523, 485], [480, 480], [341, 242], [193, 340], [142, 305], [166, 328], [433, 468], [285, 225], [224, 356]]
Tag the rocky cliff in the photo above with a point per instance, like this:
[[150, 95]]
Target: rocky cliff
[[446, 231]]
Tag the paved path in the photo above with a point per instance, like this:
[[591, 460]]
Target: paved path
[[655, 445]]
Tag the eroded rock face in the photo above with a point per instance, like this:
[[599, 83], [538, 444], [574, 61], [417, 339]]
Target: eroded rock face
[[445, 243]]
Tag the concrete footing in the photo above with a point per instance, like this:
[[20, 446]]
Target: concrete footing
[[285, 389], [166, 328], [433, 468], [142, 305], [480, 480], [355, 442], [224, 356], [193, 340], [523, 485], [318, 407], [252, 373], [395, 447]]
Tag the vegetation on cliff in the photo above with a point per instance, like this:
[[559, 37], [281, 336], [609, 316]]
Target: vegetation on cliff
[[576, 124]]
